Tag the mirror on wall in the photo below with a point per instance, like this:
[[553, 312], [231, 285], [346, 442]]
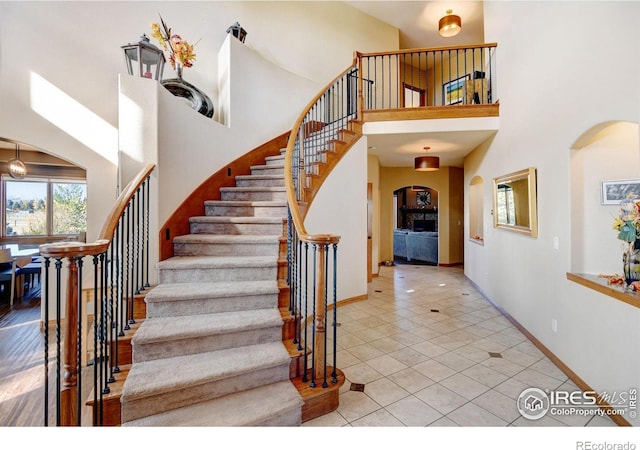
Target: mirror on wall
[[515, 203]]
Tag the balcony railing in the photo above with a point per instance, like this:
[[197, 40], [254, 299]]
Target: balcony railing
[[421, 78]]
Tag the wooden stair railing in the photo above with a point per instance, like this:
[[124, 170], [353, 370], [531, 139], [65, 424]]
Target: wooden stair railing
[[120, 269], [321, 135]]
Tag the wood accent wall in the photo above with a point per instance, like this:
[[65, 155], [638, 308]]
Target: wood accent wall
[[178, 223]]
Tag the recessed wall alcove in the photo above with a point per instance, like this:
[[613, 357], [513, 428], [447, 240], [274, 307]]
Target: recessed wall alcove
[[476, 209], [606, 152]]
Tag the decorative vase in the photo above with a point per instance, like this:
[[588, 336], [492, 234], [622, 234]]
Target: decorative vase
[[631, 261], [192, 96]]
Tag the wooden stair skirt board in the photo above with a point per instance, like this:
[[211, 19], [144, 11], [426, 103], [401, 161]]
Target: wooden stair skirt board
[[319, 401]]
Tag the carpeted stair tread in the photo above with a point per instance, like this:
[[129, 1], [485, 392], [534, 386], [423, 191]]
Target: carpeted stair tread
[[161, 329], [225, 239], [152, 378], [261, 176], [245, 203], [199, 262], [253, 188], [186, 299], [276, 404], [234, 219], [202, 291]]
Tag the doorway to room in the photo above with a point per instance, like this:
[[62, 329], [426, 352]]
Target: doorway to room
[[415, 222]]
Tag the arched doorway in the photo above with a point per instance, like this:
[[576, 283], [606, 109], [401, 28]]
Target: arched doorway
[[415, 222]]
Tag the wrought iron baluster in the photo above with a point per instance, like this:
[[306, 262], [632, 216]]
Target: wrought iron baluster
[[79, 339], [334, 373], [58, 265], [136, 202], [47, 264]]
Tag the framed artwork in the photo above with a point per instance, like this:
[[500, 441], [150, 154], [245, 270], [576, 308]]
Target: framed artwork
[[613, 192], [453, 92]]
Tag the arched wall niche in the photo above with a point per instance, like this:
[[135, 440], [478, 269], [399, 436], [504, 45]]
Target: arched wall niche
[[476, 209], [607, 151]]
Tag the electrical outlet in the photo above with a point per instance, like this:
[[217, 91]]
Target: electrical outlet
[[554, 325], [556, 242]]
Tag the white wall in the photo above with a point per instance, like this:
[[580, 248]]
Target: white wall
[[340, 208], [552, 89]]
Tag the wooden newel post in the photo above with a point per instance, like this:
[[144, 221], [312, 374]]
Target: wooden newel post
[[69, 394], [322, 243], [319, 319]]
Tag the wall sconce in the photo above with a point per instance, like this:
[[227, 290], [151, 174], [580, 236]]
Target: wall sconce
[[17, 169], [237, 31], [449, 25], [426, 163], [144, 59]]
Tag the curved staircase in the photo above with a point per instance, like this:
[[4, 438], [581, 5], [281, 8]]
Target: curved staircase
[[210, 351]]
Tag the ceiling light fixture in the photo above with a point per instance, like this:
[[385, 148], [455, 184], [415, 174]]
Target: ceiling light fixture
[[449, 25], [17, 169], [427, 163]]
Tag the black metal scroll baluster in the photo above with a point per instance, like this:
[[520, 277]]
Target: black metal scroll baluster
[[47, 264], [136, 242], [313, 323], [58, 265], [146, 284], [112, 321], [326, 281], [104, 323], [334, 374], [79, 348], [125, 287], [306, 307], [143, 229]]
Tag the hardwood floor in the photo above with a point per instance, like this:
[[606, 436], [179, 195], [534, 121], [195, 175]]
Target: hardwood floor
[[21, 362]]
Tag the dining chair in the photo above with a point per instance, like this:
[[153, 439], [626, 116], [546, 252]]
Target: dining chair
[[8, 271]]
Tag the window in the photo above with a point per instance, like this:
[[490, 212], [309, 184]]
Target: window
[[26, 208], [44, 207]]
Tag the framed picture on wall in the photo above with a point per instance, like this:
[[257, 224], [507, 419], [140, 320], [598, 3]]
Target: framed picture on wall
[[453, 92], [613, 192]]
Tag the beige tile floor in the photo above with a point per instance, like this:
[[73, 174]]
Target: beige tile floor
[[421, 346]]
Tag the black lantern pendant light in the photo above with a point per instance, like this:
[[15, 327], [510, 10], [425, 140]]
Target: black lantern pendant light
[[427, 163], [144, 59], [237, 31]]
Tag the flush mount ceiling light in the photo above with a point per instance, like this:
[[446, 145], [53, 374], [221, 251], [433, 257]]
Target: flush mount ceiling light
[[427, 163], [17, 169], [449, 25]]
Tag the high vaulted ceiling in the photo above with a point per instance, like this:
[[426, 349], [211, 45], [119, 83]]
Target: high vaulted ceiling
[[418, 20]]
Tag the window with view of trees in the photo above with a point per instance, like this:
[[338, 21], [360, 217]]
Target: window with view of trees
[[44, 207], [69, 208]]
